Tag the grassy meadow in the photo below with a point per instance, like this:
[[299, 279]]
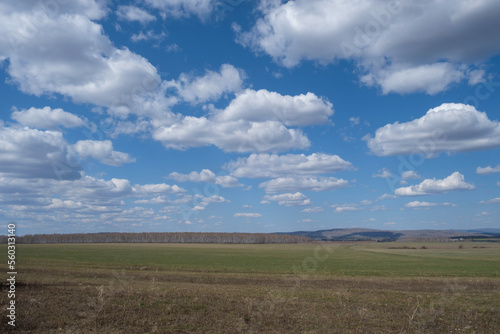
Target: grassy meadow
[[286, 288]]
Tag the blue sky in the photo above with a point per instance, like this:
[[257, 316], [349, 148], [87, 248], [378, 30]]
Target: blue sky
[[249, 116]]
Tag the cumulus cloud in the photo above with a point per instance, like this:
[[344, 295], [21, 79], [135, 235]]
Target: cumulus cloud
[[288, 199], [132, 13], [410, 175], [451, 127], [425, 205], [302, 183], [252, 122], [432, 79], [69, 54], [206, 175], [386, 196], [149, 35], [354, 120], [247, 215], [346, 208], [183, 8], [32, 153], [87, 199], [383, 173], [312, 210], [236, 136], [263, 105], [58, 204], [491, 201], [157, 188], [210, 86], [102, 151], [47, 118], [155, 200], [417, 204], [440, 40], [488, 170], [454, 182], [86, 189], [275, 166]]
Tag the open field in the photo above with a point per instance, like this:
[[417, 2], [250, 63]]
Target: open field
[[299, 288]]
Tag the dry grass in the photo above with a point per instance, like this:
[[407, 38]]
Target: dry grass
[[134, 301], [100, 296]]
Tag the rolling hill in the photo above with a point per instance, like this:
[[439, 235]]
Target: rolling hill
[[359, 234]]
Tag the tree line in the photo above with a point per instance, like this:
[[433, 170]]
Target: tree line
[[160, 237]]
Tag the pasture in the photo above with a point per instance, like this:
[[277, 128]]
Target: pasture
[[287, 288]]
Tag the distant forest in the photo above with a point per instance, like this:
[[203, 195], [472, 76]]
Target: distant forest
[[160, 237]]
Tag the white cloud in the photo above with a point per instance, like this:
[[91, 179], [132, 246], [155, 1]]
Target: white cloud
[[102, 151], [206, 175], [288, 199], [378, 208], [488, 170], [158, 188], [183, 8], [156, 200], [491, 201], [262, 105], [88, 201], [127, 83], [302, 183], [455, 181], [234, 136], [252, 122], [386, 196], [346, 208], [383, 173], [68, 54], [47, 118], [451, 127], [132, 13], [248, 215], [430, 79], [272, 165], [420, 205], [149, 35], [31, 153], [410, 175], [439, 36], [58, 204], [205, 201], [312, 210], [173, 48], [87, 190], [417, 204], [354, 120], [211, 86]]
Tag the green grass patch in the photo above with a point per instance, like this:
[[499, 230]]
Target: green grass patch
[[364, 259]]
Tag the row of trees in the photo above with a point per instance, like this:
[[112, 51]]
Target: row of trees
[[160, 237]]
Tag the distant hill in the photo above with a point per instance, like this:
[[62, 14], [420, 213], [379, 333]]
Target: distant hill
[[359, 234]]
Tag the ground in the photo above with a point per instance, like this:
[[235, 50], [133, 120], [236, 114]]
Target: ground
[[300, 288]]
